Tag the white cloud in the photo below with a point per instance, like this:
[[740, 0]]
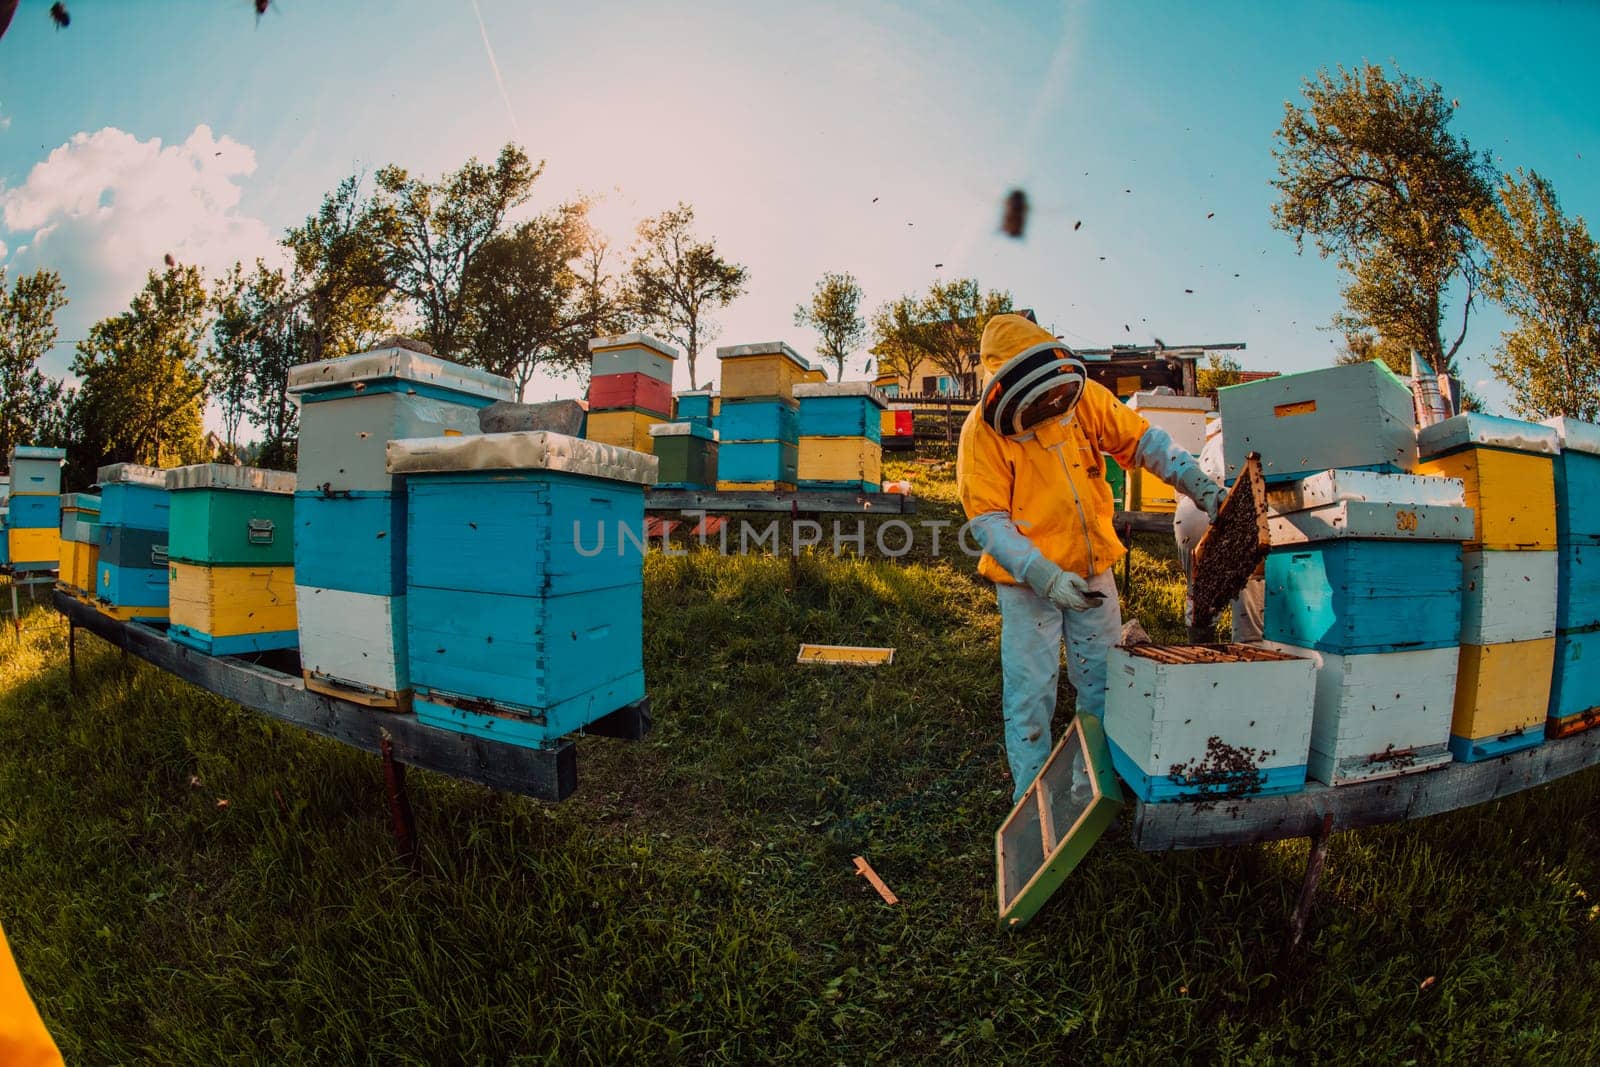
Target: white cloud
[[105, 207]]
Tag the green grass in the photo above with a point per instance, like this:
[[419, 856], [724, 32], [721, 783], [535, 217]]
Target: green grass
[[695, 899]]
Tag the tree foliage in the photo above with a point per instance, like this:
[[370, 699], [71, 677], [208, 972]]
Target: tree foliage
[[431, 232], [341, 274], [1221, 370], [259, 332], [1369, 170], [1544, 270], [32, 404], [1359, 346], [536, 294], [835, 313], [144, 379], [676, 281], [945, 327]]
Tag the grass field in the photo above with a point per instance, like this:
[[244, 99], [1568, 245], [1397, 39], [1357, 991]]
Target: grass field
[[695, 899]]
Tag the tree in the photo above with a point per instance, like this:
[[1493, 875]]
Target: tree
[[1369, 169], [1221, 370], [1544, 270], [32, 404], [341, 273], [431, 232], [144, 387], [676, 280], [1359, 346], [835, 313], [258, 334], [944, 327], [534, 295]]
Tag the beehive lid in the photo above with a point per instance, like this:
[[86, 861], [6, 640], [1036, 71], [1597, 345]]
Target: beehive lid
[[1493, 431], [813, 390], [131, 474], [632, 340], [81, 501], [1149, 401], [1575, 436], [1061, 815], [37, 452], [399, 364], [764, 348], [534, 450], [228, 476], [1187, 655], [1337, 486], [684, 429]]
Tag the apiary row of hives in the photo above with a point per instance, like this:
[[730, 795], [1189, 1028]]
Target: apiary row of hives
[[1431, 594]]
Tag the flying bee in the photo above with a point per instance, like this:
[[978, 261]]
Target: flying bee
[[59, 15], [1015, 218]]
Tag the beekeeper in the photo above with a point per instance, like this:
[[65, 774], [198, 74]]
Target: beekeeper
[[1031, 477], [1189, 525], [24, 1042]]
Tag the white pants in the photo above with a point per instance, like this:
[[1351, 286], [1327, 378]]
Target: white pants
[[1031, 629]]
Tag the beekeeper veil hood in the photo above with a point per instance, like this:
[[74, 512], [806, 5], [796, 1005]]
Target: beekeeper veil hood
[[1031, 378]]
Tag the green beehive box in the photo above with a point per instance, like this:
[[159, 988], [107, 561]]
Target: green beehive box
[[1057, 821], [1117, 478], [230, 516], [688, 455]]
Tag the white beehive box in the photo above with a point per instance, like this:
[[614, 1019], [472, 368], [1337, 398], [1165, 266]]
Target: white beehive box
[[1208, 720], [1380, 715], [353, 638], [1507, 596], [1183, 417]]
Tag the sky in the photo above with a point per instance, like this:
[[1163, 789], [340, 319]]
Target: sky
[[864, 136]]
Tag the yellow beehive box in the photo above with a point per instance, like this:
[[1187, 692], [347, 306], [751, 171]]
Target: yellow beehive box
[[1150, 493], [231, 601], [1508, 470], [77, 564], [627, 428], [34, 546], [815, 374], [765, 370], [840, 459], [1502, 693]]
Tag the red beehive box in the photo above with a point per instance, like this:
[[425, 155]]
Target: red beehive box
[[630, 390]]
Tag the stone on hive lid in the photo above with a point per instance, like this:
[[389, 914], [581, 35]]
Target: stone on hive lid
[[557, 416]]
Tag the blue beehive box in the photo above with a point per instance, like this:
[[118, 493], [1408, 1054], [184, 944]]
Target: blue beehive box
[[698, 406], [35, 512], [524, 567], [131, 573], [760, 420], [1352, 596], [352, 541], [841, 409], [1577, 474], [758, 461]]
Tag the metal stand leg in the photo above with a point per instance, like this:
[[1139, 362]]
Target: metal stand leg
[[1315, 861], [400, 816], [72, 654]]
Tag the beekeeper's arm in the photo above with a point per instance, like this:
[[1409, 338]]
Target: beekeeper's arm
[[24, 1042], [984, 479], [1135, 443]]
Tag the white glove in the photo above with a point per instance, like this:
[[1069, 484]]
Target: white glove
[[1069, 592], [1065, 590], [1160, 456]]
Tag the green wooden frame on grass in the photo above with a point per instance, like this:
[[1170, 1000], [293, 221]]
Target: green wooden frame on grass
[[1033, 855]]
